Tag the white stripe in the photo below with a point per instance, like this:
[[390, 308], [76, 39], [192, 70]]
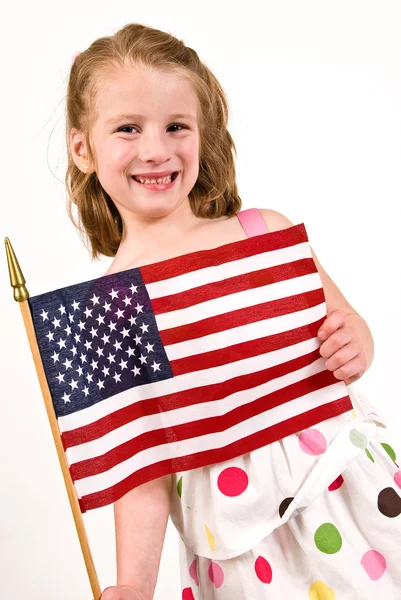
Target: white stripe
[[102, 481], [185, 382], [193, 413], [181, 283], [238, 300], [245, 333]]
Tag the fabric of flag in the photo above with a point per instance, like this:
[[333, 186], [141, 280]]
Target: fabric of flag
[[186, 362]]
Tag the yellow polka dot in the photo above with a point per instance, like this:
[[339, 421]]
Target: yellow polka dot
[[353, 413], [319, 591], [210, 538]]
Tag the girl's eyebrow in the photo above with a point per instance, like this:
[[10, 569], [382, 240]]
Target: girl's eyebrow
[[127, 116]]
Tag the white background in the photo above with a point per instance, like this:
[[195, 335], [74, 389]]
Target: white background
[[315, 111]]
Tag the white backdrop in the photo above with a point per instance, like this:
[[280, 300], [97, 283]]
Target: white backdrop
[[315, 111]]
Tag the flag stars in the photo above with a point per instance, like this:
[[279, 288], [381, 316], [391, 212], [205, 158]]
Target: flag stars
[[66, 398], [117, 377], [117, 345], [50, 336], [112, 326], [74, 350], [73, 384], [62, 309], [95, 299], [155, 366], [60, 377], [86, 391], [107, 306], [61, 343], [127, 301], [125, 332], [88, 345], [123, 364], [75, 305], [44, 315], [139, 308], [55, 357], [83, 357], [77, 338], [67, 363], [142, 359], [119, 313], [100, 384], [94, 364], [81, 325], [93, 332], [106, 371], [88, 312], [71, 318], [113, 294], [134, 289], [130, 351], [132, 320], [80, 371], [149, 347], [137, 340], [99, 352], [100, 319], [105, 339], [111, 357], [144, 328], [136, 371], [89, 377], [56, 323], [68, 330]]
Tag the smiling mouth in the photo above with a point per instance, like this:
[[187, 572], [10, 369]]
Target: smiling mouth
[[173, 176]]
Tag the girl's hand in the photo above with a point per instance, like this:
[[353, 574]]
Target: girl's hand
[[121, 592], [343, 348]]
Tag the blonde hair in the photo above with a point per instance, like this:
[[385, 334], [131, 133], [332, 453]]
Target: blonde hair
[[215, 192]]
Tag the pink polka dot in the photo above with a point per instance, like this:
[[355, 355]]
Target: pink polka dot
[[263, 570], [397, 478], [337, 483], [193, 572], [374, 564], [187, 594], [312, 442], [232, 481], [216, 574]]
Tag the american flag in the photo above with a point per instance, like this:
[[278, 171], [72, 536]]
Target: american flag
[[186, 362]]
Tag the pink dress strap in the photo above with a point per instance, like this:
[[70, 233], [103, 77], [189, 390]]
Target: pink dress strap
[[252, 222]]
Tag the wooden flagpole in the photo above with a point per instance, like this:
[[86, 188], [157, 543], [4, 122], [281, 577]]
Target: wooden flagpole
[[21, 295]]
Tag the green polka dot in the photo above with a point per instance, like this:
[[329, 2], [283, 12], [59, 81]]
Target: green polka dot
[[179, 487], [358, 439], [328, 538], [389, 451], [368, 454]]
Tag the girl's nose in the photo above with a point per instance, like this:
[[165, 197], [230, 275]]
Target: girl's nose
[[154, 146]]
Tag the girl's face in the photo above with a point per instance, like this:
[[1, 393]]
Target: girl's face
[[146, 124]]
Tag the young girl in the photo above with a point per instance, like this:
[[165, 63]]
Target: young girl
[[312, 515]]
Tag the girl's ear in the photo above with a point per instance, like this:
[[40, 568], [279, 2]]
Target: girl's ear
[[78, 149]]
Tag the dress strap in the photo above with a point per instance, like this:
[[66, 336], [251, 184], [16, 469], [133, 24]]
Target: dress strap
[[252, 222]]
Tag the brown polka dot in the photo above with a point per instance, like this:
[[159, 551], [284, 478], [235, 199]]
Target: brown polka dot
[[284, 505], [389, 502]]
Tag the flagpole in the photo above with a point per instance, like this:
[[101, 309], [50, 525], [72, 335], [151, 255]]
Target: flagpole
[[21, 296]]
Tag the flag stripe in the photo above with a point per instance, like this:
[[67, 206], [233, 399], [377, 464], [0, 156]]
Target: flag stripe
[[213, 455], [216, 417], [266, 310], [275, 248]]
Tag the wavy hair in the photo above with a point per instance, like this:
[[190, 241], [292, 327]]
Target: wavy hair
[[215, 192]]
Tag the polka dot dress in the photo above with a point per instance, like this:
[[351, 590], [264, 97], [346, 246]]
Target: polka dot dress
[[314, 516]]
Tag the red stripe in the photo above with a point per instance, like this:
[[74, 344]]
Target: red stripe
[[242, 316], [202, 259], [217, 455], [177, 400], [201, 427], [244, 350], [233, 285]]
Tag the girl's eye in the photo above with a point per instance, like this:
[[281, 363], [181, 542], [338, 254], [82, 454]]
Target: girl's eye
[[133, 127]]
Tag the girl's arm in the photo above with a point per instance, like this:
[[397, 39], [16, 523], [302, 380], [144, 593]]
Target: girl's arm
[[140, 525]]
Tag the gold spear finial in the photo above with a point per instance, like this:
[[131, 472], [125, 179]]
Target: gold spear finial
[[17, 279]]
